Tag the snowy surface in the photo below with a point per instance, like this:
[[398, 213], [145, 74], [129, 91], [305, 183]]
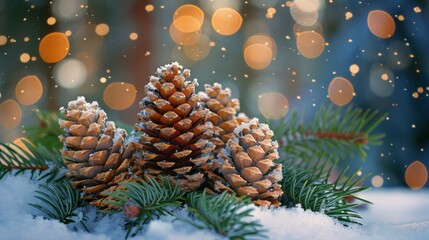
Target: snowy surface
[[396, 214]]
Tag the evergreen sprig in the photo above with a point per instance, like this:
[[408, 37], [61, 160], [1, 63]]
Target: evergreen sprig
[[28, 157], [224, 214], [47, 130], [151, 197], [60, 200], [310, 187], [337, 131]]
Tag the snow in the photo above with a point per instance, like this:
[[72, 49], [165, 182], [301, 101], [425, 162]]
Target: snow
[[396, 214]]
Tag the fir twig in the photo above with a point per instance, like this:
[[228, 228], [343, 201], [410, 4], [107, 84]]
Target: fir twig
[[224, 214], [151, 197], [336, 131], [310, 187], [60, 201], [36, 159], [47, 130]]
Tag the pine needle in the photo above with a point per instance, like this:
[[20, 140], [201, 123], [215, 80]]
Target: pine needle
[[312, 190], [37, 159], [152, 198], [335, 131], [224, 214], [59, 201], [47, 130]]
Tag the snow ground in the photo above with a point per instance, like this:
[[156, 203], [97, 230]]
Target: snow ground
[[396, 214]]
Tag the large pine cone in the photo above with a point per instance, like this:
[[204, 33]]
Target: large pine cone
[[247, 165], [175, 129], [94, 151], [223, 113]]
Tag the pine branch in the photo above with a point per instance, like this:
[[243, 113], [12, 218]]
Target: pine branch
[[310, 187], [60, 201], [224, 214], [151, 198], [36, 159], [336, 131], [46, 132]]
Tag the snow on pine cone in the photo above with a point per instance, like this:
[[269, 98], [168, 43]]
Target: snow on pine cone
[[223, 113], [94, 151], [248, 167], [175, 140]]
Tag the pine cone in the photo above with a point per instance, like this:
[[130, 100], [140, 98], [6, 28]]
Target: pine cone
[[94, 151], [247, 165], [223, 113], [175, 129]]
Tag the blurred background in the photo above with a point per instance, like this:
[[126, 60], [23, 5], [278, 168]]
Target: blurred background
[[291, 54]]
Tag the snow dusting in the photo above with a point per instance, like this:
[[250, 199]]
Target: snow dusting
[[397, 214]]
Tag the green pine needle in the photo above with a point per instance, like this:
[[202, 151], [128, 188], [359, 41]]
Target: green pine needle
[[311, 188], [47, 130], [152, 198], [336, 131], [224, 214], [36, 159], [59, 201]]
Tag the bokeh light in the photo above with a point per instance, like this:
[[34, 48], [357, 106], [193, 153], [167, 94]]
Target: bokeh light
[[381, 24], [51, 21], [304, 12], [273, 105], [149, 8], [200, 49], [259, 50], [119, 95], [54, 47], [377, 181], [134, 36], [10, 114], [262, 39], [188, 18], [310, 44], [182, 38], [29, 90], [258, 56], [102, 29], [349, 15], [416, 175], [24, 58], [226, 21], [3, 40], [270, 12], [340, 91], [20, 145], [417, 9], [70, 73], [354, 69]]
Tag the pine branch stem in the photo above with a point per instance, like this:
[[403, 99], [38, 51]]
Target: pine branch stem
[[41, 168], [359, 138]]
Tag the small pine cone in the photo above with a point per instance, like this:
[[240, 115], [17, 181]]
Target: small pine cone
[[94, 151], [223, 113], [175, 130], [248, 167]]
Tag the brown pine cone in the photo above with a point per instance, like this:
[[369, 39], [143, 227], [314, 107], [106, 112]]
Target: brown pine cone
[[223, 113], [175, 129], [247, 165], [94, 151]]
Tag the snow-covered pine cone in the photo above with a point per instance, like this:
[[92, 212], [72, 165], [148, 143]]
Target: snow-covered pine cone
[[94, 151], [223, 113], [247, 165], [175, 140]]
